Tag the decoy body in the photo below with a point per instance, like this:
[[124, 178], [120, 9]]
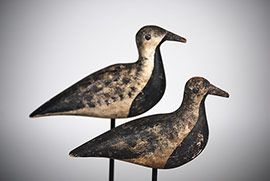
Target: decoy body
[[120, 90], [159, 141]]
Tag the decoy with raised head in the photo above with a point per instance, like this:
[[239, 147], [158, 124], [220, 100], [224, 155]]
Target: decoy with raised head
[[120, 90], [159, 141]]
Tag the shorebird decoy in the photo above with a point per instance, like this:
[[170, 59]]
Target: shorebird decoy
[[120, 90], [160, 141]]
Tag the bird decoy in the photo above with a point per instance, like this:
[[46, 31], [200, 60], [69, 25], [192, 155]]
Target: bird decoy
[[120, 90], [159, 141]]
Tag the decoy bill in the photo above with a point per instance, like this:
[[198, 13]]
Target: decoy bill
[[160, 141], [120, 90]]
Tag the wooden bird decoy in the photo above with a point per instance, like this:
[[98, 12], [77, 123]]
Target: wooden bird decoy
[[120, 90], [159, 141]]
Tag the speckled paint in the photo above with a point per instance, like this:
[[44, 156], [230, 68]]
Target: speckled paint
[[159, 141], [121, 90]]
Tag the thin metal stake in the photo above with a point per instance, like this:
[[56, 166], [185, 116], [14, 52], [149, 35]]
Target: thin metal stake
[[154, 174], [111, 167]]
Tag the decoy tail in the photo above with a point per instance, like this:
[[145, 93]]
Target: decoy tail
[[46, 109], [78, 152], [36, 113], [97, 147], [58, 105], [75, 153]]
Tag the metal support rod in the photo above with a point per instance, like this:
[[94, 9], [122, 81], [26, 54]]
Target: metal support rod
[[111, 167], [154, 174]]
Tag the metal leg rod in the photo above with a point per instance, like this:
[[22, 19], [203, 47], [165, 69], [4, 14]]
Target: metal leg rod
[[111, 167], [111, 173], [154, 174]]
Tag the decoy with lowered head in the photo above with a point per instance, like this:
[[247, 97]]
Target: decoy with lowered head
[[159, 141], [120, 90]]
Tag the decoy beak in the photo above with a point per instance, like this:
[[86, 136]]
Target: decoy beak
[[217, 91], [173, 37]]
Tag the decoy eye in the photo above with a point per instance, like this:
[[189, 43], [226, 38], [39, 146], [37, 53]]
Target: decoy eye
[[147, 36], [195, 90]]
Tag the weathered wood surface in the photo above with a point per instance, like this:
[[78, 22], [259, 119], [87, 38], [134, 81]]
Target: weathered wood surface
[[121, 90], [159, 141]]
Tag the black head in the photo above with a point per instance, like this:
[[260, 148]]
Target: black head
[[198, 87], [151, 36]]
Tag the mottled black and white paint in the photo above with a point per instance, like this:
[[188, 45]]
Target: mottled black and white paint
[[121, 90], [159, 141]]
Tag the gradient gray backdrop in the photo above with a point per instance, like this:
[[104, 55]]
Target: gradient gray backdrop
[[45, 46]]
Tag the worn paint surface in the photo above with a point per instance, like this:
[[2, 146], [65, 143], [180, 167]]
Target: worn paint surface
[[121, 90], [159, 141], [193, 144], [152, 91]]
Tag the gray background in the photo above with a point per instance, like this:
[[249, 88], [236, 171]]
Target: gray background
[[45, 46]]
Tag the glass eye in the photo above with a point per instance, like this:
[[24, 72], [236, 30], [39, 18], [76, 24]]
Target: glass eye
[[147, 36], [195, 90]]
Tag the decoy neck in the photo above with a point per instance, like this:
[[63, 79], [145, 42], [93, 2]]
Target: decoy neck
[[192, 111], [149, 39], [194, 143]]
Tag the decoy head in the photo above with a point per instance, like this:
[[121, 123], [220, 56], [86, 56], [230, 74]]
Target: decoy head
[[198, 87], [149, 37]]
